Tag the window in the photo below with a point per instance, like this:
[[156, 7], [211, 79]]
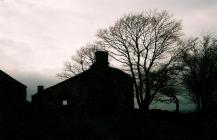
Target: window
[[64, 102]]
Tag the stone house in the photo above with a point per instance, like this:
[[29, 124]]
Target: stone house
[[100, 90]]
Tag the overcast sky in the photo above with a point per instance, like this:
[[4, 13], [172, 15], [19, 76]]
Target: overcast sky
[[37, 36]]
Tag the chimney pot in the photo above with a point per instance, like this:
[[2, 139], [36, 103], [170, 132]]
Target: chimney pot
[[40, 88]]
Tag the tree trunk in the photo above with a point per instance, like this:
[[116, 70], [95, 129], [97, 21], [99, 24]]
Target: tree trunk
[[145, 106], [146, 102], [198, 104], [177, 105]]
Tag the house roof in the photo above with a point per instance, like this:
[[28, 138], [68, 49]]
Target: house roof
[[6, 79], [83, 76]]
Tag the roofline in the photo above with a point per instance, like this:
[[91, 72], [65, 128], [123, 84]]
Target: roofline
[[44, 90], [59, 83], [12, 78]]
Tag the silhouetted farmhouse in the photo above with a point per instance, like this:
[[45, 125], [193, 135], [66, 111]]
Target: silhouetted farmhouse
[[100, 90], [12, 93]]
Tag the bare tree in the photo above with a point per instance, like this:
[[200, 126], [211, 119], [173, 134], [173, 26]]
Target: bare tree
[[200, 72], [144, 43], [80, 62], [169, 91]]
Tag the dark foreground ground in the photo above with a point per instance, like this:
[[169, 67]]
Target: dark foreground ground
[[154, 125]]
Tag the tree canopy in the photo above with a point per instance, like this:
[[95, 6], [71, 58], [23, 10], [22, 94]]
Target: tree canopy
[[146, 44], [149, 46], [200, 71], [80, 61]]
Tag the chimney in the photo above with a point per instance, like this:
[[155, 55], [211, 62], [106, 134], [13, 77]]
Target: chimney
[[40, 88], [101, 58]]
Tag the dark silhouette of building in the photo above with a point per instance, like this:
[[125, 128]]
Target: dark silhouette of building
[[101, 90], [12, 93]]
